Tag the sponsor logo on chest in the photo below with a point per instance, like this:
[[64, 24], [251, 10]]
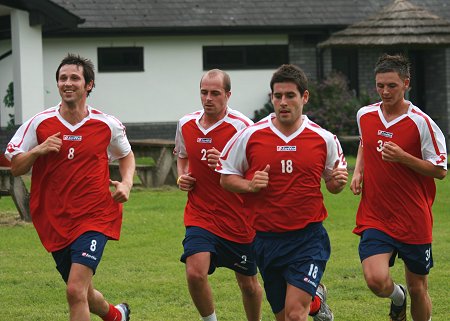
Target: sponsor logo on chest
[[73, 138], [385, 133], [286, 148], [204, 140]]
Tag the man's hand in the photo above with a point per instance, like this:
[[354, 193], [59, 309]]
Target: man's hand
[[337, 179], [355, 185], [121, 192], [51, 144], [186, 182], [213, 156], [339, 174], [392, 153], [260, 180]]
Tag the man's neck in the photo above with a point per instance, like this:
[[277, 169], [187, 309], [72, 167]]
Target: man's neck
[[285, 129], [73, 113], [390, 112], [207, 121]]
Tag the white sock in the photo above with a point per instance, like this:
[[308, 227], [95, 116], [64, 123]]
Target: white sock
[[211, 317], [397, 296]]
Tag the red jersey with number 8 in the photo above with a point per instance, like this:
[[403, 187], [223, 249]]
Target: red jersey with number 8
[[70, 191]]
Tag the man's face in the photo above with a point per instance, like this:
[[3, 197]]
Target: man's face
[[288, 102], [71, 84], [391, 88], [213, 96]]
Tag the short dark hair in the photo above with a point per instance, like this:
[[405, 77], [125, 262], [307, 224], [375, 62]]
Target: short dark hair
[[290, 73], [88, 68], [393, 63], [225, 77]]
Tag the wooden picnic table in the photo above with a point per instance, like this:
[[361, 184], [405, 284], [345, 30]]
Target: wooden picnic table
[[164, 172]]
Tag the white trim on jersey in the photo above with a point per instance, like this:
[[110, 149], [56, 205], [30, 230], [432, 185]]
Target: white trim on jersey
[[233, 160], [432, 139], [233, 117], [25, 138]]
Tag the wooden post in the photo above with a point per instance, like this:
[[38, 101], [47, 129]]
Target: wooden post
[[21, 197], [15, 187]]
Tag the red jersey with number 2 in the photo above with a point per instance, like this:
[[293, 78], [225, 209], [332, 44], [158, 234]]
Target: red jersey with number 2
[[210, 206]]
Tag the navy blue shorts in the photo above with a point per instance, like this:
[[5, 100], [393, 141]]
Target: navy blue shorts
[[298, 258], [417, 257], [224, 253], [87, 250]]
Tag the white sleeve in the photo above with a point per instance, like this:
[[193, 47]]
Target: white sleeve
[[433, 144], [23, 140], [180, 147], [334, 153], [233, 159], [119, 146]]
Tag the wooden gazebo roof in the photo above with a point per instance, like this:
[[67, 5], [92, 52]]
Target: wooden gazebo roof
[[400, 23]]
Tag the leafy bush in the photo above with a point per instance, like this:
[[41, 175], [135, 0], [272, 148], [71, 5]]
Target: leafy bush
[[334, 106], [263, 112], [331, 104], [8, 100]]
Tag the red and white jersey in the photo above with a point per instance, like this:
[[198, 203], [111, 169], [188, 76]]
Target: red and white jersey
[[293, 198], [70, 190], [395, 199], [209, 206]]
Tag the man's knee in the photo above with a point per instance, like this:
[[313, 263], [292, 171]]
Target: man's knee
[[417, 290], [195, 275], [378, 284], [298, 314], [75, 293], [249, 285]]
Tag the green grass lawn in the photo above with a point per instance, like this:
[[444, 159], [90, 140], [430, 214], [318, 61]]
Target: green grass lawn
[[143, 268]]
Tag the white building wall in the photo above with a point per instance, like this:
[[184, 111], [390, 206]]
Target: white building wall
[[27, 66], [6, 76], [169, 86]]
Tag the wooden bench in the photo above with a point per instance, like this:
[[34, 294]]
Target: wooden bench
[[164, 172], [15, 187], [146, 173]]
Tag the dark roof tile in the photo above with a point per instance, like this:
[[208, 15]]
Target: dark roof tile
[[163, 14]]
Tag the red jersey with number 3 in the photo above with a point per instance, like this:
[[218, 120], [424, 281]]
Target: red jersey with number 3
[[395, 199], [70, 191], [209, 206], [293, 198]]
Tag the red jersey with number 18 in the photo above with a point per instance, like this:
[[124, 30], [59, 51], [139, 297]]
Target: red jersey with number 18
[[395, 199], [209, 206], [70, 190], [293, 198]]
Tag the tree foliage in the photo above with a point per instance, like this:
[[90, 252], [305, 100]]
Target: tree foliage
[[8, 100]]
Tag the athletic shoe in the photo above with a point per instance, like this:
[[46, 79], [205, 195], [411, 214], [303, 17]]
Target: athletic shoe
[[398, 313], [324, 313], [124, 311]]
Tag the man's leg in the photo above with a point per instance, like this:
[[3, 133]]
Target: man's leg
[[197, 266], [420, 299], [251, 295], [379, 280], [84, 299], [297, 304], [78, 284], [376, 274]]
